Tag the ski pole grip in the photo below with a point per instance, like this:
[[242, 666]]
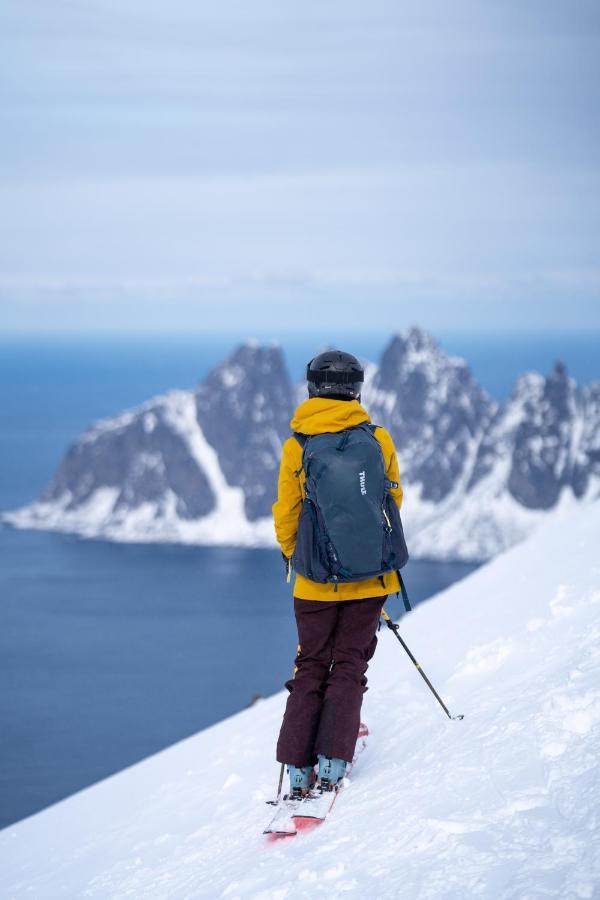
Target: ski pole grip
[[388, 621]]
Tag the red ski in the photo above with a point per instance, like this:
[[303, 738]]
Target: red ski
[[295, 815]]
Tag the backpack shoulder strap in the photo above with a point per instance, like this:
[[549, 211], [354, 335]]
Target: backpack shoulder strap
[[301, 438]]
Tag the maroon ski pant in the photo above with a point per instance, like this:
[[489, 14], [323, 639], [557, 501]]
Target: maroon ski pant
[[336, 641]]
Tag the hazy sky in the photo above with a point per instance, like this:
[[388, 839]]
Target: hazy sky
[[188, 165]]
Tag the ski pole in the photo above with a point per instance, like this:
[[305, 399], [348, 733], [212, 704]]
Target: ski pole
[[279, 788], [282, 769], [394, 627], [288, 575]]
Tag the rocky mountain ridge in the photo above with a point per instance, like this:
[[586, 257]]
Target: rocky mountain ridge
[[200, 466]]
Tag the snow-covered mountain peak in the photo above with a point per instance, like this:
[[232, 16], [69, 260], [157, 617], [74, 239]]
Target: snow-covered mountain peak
[[415, 339], [558, 388], [243, 407], [248, 363], [547, 432], [409, 351], [434, 408], [188, 465], [415, 364], [561, 392], [528, 384]]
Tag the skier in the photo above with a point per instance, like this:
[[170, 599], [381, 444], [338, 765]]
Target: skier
[[337, 618]]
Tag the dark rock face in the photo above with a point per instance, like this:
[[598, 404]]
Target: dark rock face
[[542, 462], [140, 455], [244, 407], [544, 438], [587, 460], [434, 409], [495, 451]]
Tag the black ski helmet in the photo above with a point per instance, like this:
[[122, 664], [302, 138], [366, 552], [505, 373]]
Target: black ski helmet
[[335, 374]]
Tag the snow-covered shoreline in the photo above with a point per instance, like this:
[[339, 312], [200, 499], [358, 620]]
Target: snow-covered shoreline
[[469, 532], [502, 805], [93, 521]]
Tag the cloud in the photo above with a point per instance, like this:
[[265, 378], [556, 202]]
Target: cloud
[[438, 152]]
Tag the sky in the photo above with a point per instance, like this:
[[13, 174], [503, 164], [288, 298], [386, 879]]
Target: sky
[[186, 166]]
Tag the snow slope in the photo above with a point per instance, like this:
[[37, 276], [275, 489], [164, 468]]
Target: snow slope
[[505, 804]]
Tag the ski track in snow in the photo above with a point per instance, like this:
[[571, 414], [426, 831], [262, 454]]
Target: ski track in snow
[[504, 805]]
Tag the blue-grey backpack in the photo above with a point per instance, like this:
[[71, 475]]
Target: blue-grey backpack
[[349, 527]]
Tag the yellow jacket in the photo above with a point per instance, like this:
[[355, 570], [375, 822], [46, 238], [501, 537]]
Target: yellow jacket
[[316, 416]]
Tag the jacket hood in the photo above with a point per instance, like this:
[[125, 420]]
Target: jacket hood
[[322, 414]]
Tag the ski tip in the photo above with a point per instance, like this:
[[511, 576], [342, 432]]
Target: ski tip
[[278, 833], [276, 837]]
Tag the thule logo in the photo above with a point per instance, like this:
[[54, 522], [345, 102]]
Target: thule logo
[[362, 477]]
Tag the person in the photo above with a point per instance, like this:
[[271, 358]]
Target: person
[[337, 622]]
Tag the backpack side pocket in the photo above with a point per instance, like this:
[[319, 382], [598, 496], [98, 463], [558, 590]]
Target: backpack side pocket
[[309, 558], [398, 543]]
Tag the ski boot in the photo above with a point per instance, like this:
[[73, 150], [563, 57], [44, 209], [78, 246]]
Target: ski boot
[[331, 772], [301, 780]]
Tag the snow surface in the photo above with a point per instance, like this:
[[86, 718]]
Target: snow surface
[[505, 804]]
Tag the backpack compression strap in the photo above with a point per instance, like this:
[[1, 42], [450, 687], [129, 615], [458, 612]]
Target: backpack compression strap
[[404, 592]]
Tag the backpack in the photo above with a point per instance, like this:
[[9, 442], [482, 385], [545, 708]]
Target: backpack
[[349, 527]]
